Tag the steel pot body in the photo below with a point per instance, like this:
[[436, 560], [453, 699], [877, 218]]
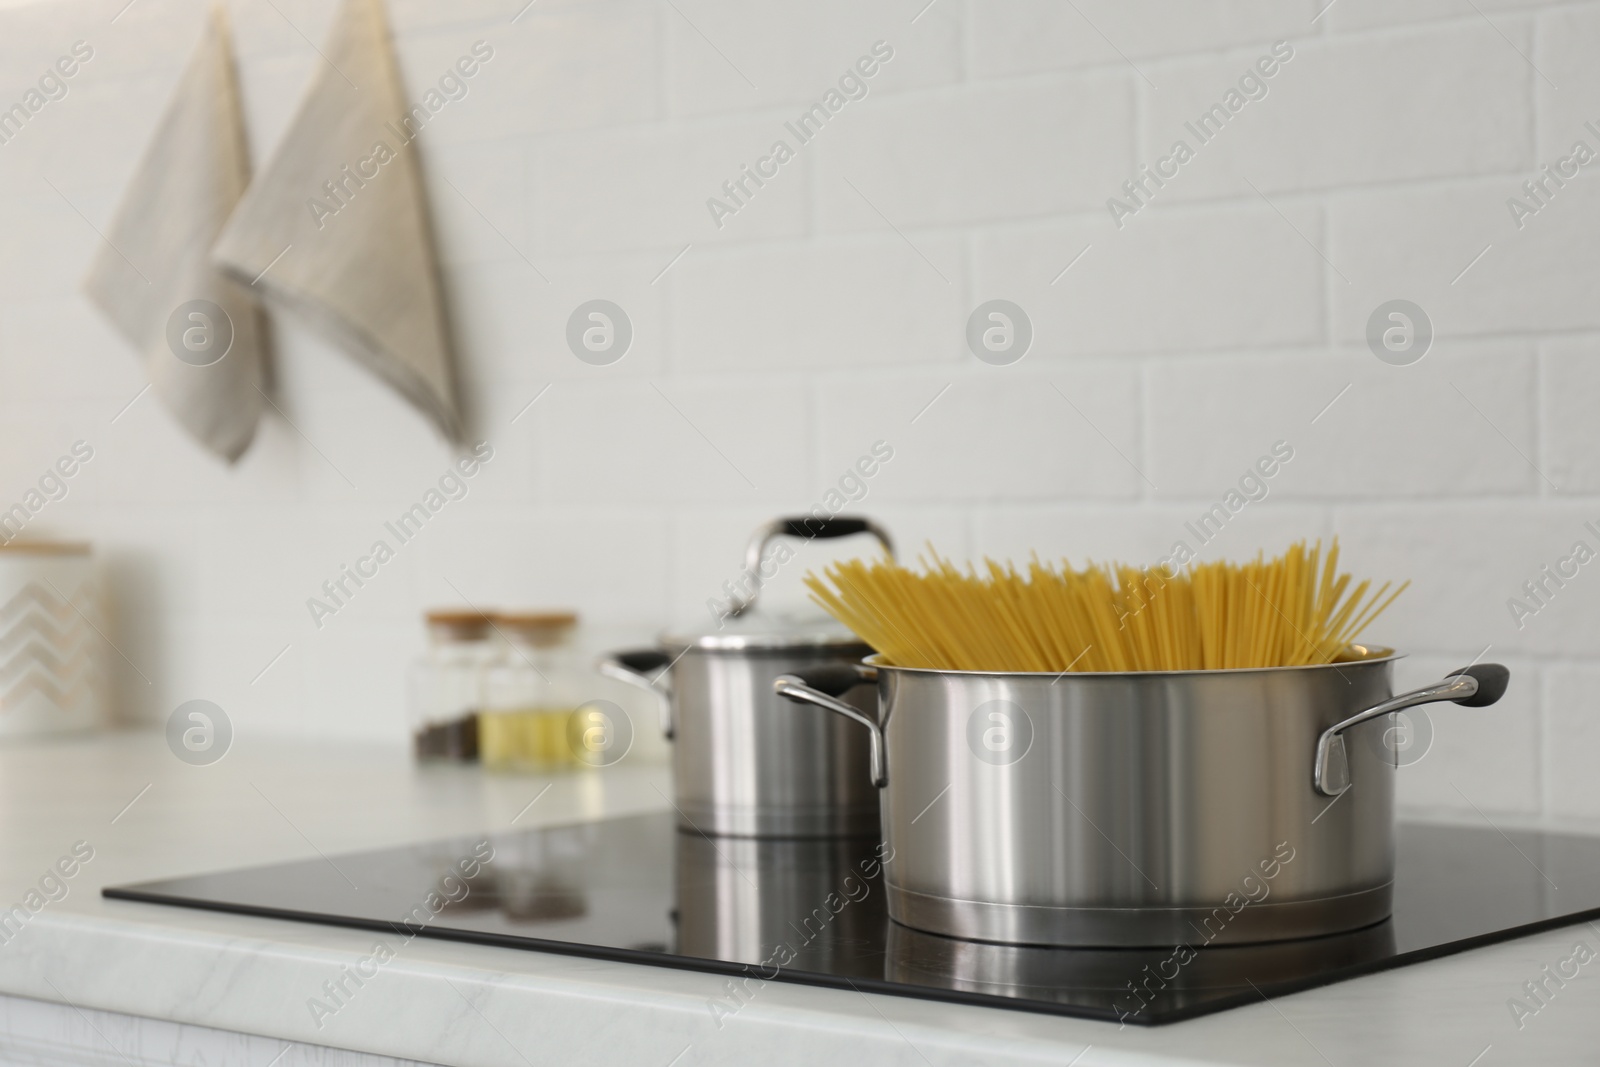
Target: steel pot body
[[1138, 809], [748, 763], [745, 761]]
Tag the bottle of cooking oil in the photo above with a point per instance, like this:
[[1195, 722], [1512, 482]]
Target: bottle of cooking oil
[[531, 693]]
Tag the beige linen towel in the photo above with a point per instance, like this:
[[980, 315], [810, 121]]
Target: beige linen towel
[[154, 279], [336, 226]]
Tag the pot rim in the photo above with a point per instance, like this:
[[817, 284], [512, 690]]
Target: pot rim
[[1374, 654], [678, 643]]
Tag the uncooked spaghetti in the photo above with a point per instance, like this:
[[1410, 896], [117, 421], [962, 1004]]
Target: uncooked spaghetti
[[1289, 611]]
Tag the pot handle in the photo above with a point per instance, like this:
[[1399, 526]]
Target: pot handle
[[1477, 686], [643, 668], [823, 686], [805, 528]]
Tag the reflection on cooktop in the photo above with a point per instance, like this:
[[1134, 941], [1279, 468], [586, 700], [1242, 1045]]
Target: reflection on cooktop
[[636, 889]]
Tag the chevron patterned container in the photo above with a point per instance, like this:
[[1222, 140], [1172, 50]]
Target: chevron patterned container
[[51, 678]]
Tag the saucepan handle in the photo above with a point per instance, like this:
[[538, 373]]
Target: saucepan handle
[[1476, 686], [805, 528], [644, 668], [823, 686]]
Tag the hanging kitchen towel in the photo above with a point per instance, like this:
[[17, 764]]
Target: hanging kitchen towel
[[336, 226], [200, 334]]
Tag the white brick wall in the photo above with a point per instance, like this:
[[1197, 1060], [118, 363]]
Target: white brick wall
[[1156, 286], [1224, 316], [1408, 115]]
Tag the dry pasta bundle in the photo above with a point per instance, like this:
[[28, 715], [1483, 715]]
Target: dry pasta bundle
[[1292, 610]]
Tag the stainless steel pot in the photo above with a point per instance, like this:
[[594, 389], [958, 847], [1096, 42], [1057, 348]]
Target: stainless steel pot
[[746, 762], [1136, 809]]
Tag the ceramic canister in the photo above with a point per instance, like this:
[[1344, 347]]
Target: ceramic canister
[[51, 676]]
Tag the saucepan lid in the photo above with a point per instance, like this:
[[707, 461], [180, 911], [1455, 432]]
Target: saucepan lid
[[736, 624]]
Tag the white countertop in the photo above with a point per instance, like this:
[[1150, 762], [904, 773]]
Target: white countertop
[[452, 1003]]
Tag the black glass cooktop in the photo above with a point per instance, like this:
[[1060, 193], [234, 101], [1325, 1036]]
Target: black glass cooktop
[[636, 889]]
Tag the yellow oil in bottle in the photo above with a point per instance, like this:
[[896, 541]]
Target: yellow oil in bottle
[[524, 739]]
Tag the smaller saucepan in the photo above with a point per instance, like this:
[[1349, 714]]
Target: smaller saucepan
[[745, 761]]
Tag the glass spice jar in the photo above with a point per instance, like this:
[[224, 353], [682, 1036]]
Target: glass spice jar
[[446, 686]]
